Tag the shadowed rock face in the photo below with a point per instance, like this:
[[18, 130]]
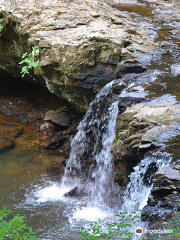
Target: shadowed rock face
[[164, 198], [81, 44]]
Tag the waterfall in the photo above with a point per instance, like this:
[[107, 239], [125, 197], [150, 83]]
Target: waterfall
[[90, 163], [89, 171], [140, 185]]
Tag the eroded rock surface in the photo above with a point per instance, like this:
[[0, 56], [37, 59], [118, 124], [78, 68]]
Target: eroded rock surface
[[81, 44], [142, 127], [165, 195], [62, 117]]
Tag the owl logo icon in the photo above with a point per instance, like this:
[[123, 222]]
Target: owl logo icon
[[139, 231]]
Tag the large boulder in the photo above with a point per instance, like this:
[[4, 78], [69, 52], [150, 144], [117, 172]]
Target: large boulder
[[81, 44], [143, 127], [164, 198]]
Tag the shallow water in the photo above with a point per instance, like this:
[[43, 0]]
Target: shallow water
[[26, 188], [144, 11], [21, 169]]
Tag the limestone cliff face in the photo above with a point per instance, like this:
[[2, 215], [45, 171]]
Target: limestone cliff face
[[81, 44]]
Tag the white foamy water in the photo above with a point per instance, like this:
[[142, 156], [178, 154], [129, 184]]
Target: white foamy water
[[50, 193], [91, 214]]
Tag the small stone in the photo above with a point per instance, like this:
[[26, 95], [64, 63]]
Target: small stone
[[44, 126], [58, 117], [57, 143]]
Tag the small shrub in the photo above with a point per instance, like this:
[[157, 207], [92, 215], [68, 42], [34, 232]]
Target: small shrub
[[30, 61], [14, 228], [117, 230]]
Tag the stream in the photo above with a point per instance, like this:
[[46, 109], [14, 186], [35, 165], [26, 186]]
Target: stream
[[55, 206]]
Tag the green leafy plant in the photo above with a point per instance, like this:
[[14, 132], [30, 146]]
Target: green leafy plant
[[174, 226], [14, 228], [30, 61], [117, 230], [118, 139], [1, 28]]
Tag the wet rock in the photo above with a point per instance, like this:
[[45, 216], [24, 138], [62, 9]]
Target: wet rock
[[57, 143], [71, 130], [76, 192], [165, 181], [60, 117], [123, 69], [61, 136], [6, 144], [132, 95], [8, 133], [11, 132], [143, 127], [123, 168], [72, 193], [155, 213], [165, 194], [81, 43], [175, 70], [45, 126], [60, 142], [118, 87], [48, 127]]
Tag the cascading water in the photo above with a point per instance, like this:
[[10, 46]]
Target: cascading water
[[140, 185], [90, 156], [90, 169], [88, 176]]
